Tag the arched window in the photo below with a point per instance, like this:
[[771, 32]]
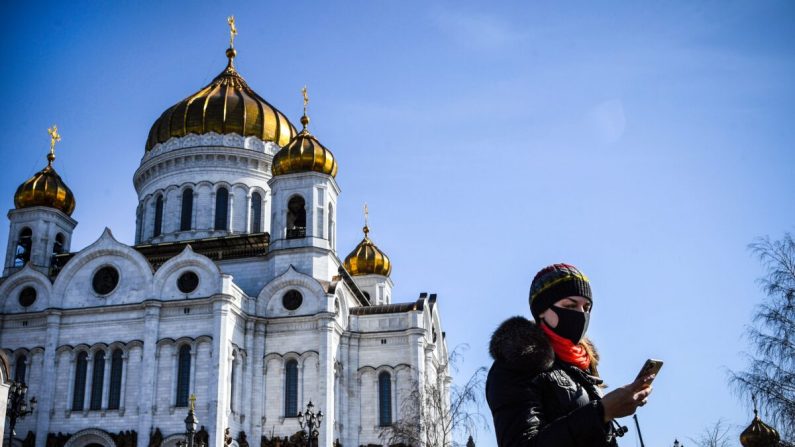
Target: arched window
[[139, 215], [331, 226], [58, 245], [79, 393], [384, 399], [158, 217], [24, 244], [256, 213], [97, 378], [221, 209], [116, 364], [232, 382], [21, 369], [186, 217], [291, 388], [296, 218], [183, 376]]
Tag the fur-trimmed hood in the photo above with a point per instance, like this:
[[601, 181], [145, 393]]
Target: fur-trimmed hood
[[520, 344]]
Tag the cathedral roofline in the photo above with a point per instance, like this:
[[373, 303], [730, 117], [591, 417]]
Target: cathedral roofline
[[216, 248]]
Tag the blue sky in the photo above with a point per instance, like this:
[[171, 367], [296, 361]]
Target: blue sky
[[647, 144]]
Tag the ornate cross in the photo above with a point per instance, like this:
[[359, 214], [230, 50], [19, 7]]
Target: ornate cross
[[366, 215], [306, 98], [54, 138], [192, 400], [232, 30]]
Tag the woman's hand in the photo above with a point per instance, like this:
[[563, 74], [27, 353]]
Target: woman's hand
[[625, 400]]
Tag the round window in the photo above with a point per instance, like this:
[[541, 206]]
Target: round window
[[27, 296], [292, 300], [188, 282], [105, 280]]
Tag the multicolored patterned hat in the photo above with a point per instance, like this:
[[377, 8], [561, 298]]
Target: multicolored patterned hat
[[554, 283]]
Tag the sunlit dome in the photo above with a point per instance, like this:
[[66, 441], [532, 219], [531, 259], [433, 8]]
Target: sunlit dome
[[226, 105]]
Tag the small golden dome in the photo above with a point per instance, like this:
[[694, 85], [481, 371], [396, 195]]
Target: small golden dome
[[226, 105], [304, 153], [367, 259], [759, 434], [45, 188]]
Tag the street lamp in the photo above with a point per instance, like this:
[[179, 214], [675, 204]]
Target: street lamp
[[18, 407], [310, 422], [190, 424]]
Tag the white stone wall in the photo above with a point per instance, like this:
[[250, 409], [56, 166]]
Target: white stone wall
[[45, 224], [235, 316]]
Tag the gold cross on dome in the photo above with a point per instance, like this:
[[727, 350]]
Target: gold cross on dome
[[306, 98], [232, 30], [54, 138], [366, 214], [192, 400]]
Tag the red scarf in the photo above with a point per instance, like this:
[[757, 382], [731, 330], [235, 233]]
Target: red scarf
[[567, 351]]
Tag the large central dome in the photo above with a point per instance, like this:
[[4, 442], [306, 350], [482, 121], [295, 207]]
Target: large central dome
[[226, 105]]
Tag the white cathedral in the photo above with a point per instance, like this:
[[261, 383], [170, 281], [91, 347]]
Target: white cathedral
[[233, 292]]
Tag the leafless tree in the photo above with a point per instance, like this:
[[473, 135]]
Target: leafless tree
[[438, 414], [770, 374], [715, 436]]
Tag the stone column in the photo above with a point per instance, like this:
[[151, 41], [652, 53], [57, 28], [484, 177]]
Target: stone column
[[246, 379], [211, 226], [217, 395], [70, 393], [248, 213], [123, 391], [146, 397], [106, 381], [194, 219], [194, 357], [257, 368], [417, 349], [46, 408], [326, 379], [89, 382]]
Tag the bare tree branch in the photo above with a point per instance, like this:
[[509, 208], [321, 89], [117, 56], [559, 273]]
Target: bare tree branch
[[770, 373], [715, 436], [440, 414]]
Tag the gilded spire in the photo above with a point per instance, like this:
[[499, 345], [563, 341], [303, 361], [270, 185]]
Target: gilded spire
[[55, 137], [192, 398], [231, 52], [305, 118]]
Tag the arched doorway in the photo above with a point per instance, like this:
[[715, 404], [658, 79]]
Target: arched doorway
[[91, 437]]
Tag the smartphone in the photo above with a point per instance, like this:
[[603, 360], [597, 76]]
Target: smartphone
[[651, 366]]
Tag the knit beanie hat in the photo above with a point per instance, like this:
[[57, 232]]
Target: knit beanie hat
[[554, 283]]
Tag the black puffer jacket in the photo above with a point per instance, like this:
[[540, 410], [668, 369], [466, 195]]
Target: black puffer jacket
[[537, 400]]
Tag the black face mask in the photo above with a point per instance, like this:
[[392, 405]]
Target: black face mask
[[572, 324]]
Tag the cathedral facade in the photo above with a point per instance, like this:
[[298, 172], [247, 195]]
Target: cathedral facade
[[233, 292]]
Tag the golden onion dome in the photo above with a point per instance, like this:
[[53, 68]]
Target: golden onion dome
[[45, 188], [367, 259], [304, 153], [226, 105], [759, 434]]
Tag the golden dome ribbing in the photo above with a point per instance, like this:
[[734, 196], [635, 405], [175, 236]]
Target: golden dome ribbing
[[226, 105], [759, 434], [367, 259], [304, 153], [46, 188]]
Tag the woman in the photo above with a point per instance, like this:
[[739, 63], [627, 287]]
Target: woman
[[543, 388]]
